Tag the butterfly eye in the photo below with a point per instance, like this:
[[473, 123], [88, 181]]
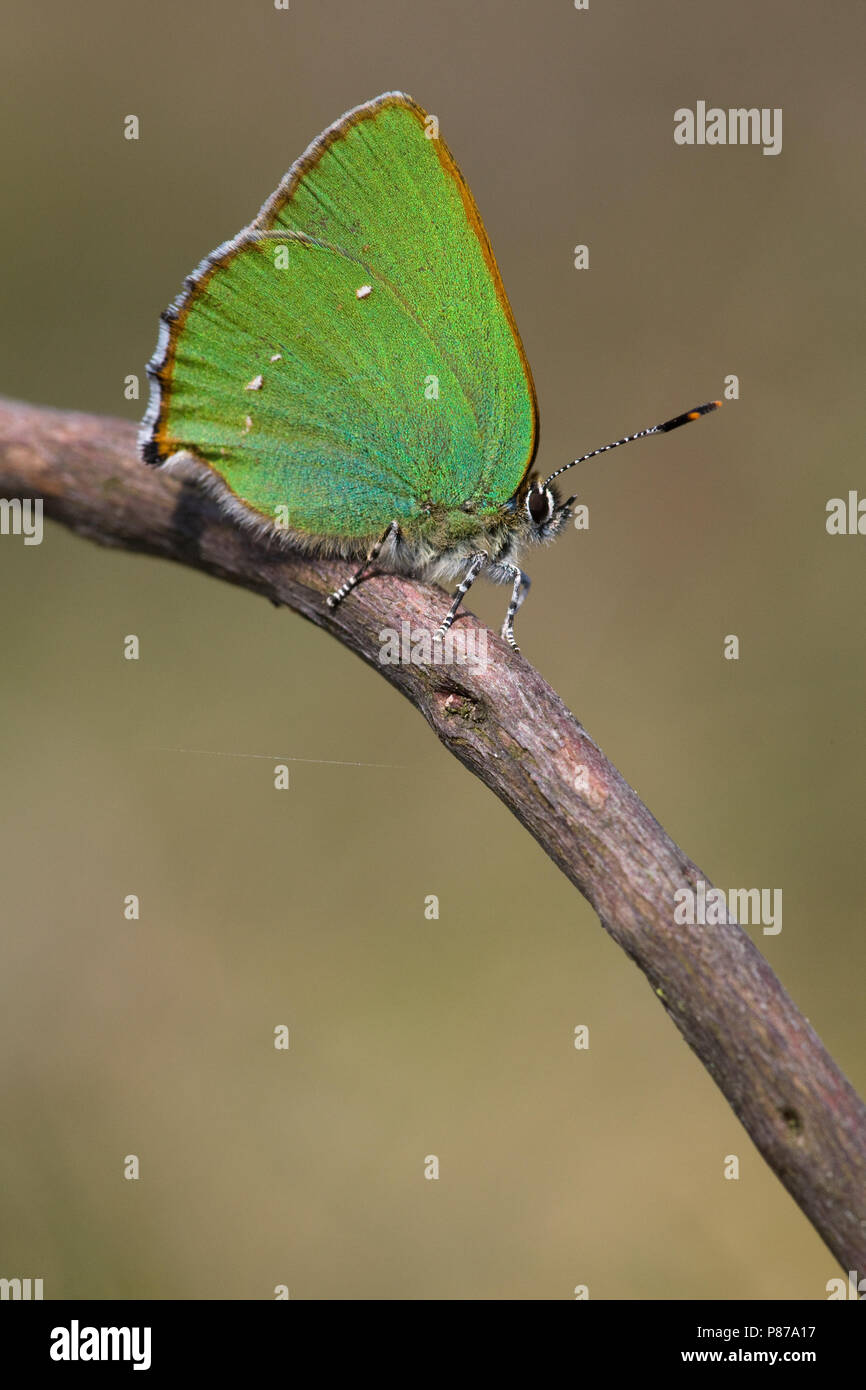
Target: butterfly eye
[[539, 505]]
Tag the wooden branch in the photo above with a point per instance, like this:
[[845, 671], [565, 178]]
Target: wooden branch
[[509, 728]]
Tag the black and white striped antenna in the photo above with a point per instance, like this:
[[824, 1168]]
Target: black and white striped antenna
[[664, 428]]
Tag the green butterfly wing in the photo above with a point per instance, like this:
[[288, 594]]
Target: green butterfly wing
[[351, 357]]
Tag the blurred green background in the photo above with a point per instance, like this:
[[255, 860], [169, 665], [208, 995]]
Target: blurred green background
[[411, 1037]]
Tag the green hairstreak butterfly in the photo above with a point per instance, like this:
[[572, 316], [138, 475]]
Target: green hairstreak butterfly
[[346, 372]]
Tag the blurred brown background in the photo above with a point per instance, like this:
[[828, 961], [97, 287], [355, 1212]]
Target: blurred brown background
[[412, 1037]]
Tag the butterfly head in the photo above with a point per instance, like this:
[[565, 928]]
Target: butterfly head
[[544, 514]]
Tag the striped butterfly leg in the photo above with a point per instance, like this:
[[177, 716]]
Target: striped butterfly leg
[[518, 594], [476, 564], [336, 598]]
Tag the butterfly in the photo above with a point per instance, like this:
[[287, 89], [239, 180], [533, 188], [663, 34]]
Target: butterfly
[[346, 373]]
